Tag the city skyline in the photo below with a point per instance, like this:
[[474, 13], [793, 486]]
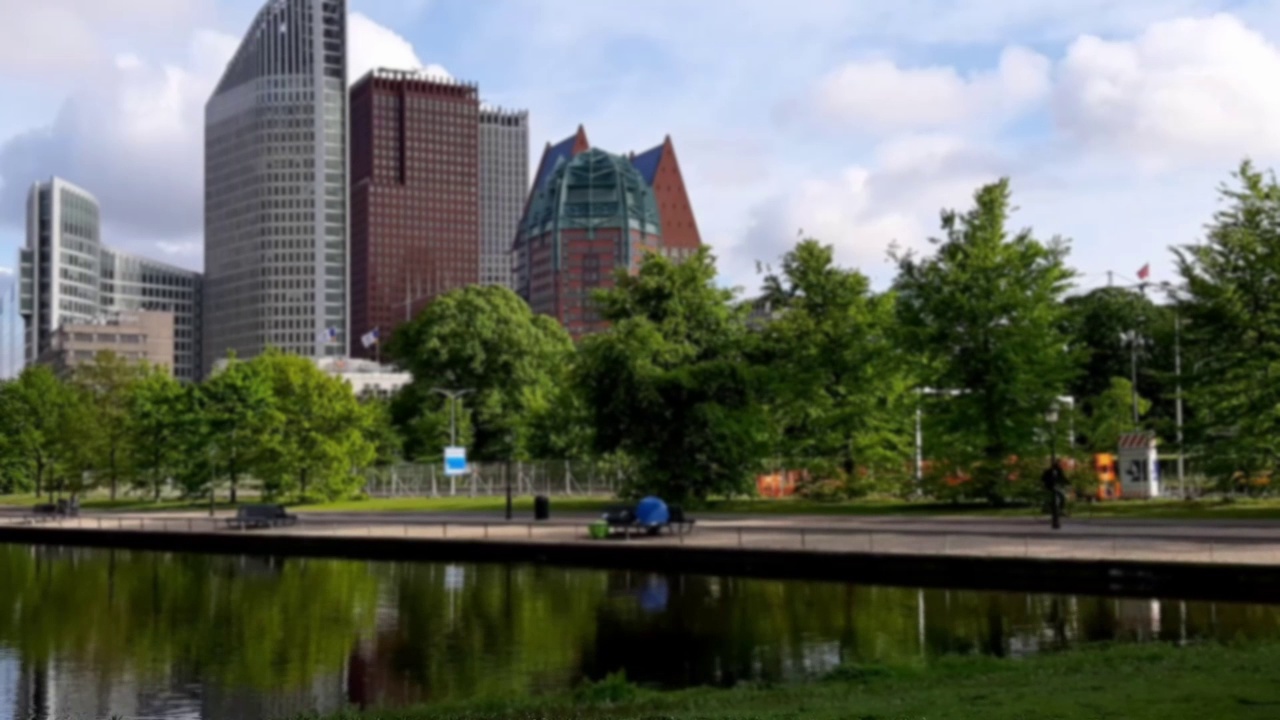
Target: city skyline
[[768, 147]]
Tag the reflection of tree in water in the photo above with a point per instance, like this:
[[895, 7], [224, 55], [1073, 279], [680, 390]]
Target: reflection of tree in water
[[253, 624]]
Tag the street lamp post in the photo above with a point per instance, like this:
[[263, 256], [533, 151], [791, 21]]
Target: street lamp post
[[453, 396]]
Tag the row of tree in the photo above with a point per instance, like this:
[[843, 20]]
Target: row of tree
[[278, 420], [693, 391], [697, 395]]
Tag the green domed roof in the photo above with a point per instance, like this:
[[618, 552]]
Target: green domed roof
[[593, 189]]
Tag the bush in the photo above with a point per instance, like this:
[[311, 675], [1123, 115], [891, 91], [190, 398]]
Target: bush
[[614, 689]]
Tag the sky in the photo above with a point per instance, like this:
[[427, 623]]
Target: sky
[[852, 121]]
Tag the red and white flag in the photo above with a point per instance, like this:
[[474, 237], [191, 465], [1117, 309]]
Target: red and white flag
[[1145, 272]]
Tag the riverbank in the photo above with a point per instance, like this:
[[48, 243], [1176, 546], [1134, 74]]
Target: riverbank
[[1264, 509], [1135, 682]]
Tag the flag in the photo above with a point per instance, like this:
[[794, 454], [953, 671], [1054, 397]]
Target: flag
[[1145, 272], [369, 338], [329, 334]]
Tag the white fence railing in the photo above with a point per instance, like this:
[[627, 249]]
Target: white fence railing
[[544, 477]]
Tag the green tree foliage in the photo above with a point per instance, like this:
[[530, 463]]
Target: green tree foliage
[[985, 316], [839, 388], [1231, 305], [39, 417], [1095, 322], [381, 432], [107, 383], [1110, 415], [669, 383], [483, 339], [161, 420], [320, 435], [240, 421]]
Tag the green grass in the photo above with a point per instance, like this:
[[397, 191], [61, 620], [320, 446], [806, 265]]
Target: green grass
[[122, 503], [1134, 682]]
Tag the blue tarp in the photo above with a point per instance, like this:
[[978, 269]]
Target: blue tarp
[[652, 511]]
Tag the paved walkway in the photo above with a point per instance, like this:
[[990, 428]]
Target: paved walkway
[[1143, 540]]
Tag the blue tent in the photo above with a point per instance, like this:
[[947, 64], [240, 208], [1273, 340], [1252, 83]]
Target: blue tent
[[652, 511]]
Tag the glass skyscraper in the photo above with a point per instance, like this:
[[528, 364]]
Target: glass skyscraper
[[68, 276], [276, 237]]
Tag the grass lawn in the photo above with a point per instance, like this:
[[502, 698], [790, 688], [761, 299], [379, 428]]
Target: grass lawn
[[1242, 509], [1133, 682]]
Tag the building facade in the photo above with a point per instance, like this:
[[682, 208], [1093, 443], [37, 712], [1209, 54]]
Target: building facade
[[68, 276], [145, 336], [10, 327], [590, 213], [415, 196], [504, 185], [276, 186]]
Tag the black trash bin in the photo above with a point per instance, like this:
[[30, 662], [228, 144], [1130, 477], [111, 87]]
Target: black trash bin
[[541, 507]]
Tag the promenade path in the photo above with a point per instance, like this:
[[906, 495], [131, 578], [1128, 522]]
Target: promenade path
[[1222, 541]]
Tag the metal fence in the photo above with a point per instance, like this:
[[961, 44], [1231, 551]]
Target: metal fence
[[545, 477]]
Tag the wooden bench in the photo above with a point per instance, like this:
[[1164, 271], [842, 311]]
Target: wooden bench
[[53, 511], [249, 517]]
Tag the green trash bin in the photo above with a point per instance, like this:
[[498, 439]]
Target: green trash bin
[[599, 530]]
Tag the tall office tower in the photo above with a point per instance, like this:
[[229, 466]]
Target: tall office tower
[[504, 183], [275, 254], [68, 276], [415, 197]]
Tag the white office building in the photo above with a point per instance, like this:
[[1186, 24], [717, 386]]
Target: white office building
[[276, 271], [68, 276], [504, 185]]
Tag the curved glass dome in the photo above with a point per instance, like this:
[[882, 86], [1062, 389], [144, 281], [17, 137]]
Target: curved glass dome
[[593, 189]]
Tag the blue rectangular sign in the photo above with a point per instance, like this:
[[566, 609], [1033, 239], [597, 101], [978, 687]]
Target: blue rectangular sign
[[455, 461]]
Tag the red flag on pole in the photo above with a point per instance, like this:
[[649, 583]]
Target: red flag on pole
[[1145, 272]]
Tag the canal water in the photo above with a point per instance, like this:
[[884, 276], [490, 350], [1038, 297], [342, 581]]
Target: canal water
[[91, 633]]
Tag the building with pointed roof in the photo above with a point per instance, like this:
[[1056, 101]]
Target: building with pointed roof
[[590, 213]]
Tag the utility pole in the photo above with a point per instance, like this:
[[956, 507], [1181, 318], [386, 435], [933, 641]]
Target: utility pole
[[453, 396]]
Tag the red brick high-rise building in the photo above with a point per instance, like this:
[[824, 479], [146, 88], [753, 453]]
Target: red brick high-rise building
[[590, 213], [415, 197]]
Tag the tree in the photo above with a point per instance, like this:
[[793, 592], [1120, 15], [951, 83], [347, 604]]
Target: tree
[[160, 422], [1232, 333], [39, 416], [239, 419], [669, 383], [1110, 415], [840, 390], [1095, 322], [107, 382], [323, 440], [488, 341], [985, 315]]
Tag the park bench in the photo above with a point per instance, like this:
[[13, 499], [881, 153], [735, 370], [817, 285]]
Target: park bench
[[249, 517], [52, 511]]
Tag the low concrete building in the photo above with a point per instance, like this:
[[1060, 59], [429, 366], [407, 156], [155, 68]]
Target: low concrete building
[[134, 336], [366, 378]]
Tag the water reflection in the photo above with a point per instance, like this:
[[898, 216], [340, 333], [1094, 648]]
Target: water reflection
[[88, 633]]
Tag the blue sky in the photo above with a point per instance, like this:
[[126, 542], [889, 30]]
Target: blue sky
[[854, 121]]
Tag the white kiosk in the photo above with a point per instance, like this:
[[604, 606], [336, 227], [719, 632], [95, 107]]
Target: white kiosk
[[1138, 466]]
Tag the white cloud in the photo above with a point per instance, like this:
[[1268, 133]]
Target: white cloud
[[6, 271], [1192, 90], [864, 210], [878, 96], [59, 37], [374, 46]]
